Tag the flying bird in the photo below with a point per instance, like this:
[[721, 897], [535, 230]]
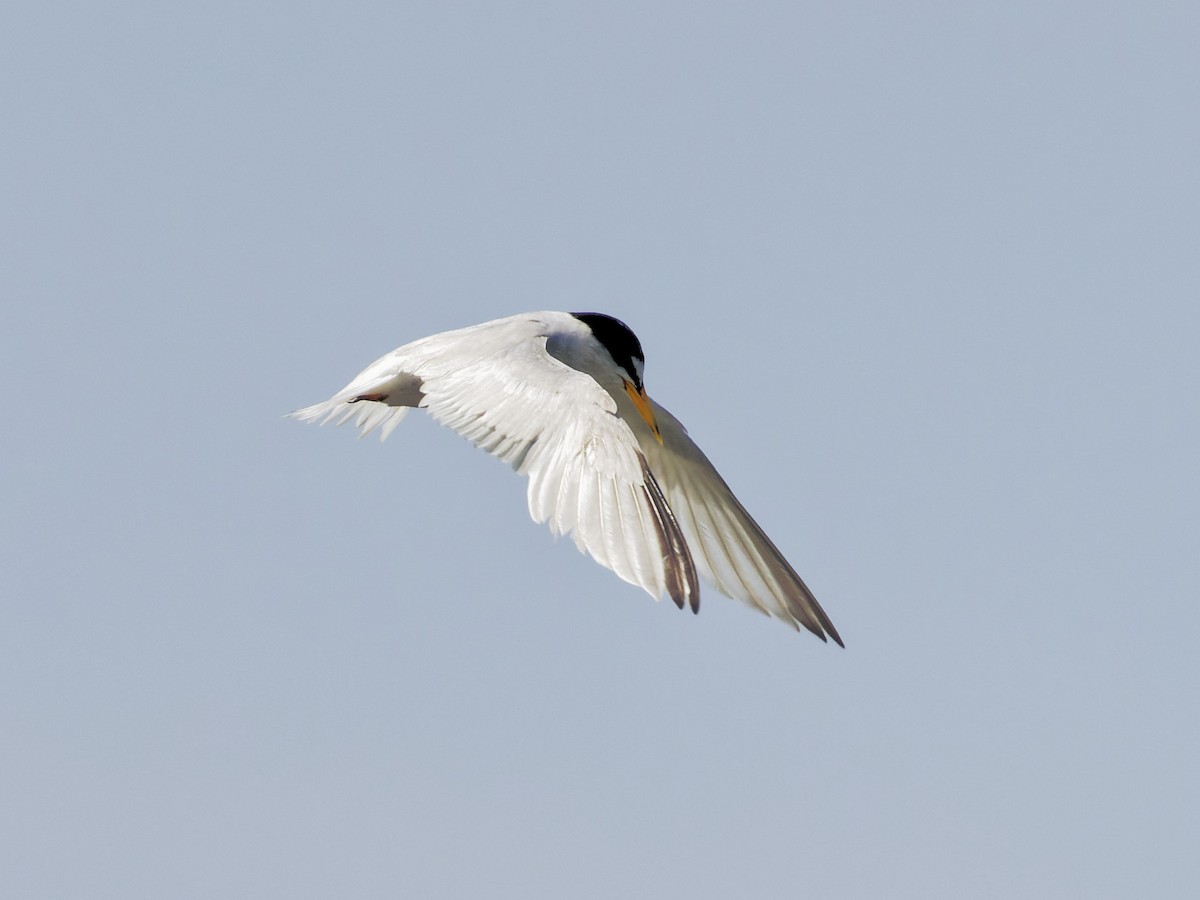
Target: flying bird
[[559, 396]]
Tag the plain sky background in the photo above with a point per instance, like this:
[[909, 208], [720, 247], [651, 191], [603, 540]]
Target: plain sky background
[[923, 279]]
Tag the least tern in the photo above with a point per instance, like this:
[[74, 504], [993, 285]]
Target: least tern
[[559, 396]]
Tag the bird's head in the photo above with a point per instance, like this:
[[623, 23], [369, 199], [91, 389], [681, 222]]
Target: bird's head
[[626, 352]]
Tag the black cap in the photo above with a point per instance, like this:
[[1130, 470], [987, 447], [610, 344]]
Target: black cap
[[621, 343]]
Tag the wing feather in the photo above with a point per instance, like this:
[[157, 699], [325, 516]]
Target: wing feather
[[728, 546]]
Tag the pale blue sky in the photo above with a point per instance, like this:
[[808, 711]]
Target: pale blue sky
[[923, 281]]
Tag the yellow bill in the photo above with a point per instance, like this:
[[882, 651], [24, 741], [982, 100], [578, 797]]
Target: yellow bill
[[642, 402]]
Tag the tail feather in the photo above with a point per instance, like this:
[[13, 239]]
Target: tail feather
[[367, 415]]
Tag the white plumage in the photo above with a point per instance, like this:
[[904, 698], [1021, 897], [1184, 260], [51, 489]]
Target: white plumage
[[559, 397]]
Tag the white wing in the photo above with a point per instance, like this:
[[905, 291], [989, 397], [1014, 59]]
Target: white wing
[[496, 385], [728, 546]]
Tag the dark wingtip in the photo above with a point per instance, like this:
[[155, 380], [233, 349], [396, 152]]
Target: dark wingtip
[[682, 582], [837, 638], [824, 634]]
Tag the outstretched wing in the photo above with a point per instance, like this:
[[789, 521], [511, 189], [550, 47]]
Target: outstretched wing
[[728, 546], [496, 385]]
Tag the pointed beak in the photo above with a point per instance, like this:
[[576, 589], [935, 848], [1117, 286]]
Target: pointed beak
[[642, 402]]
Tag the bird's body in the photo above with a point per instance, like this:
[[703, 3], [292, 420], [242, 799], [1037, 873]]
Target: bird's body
[[559, 396]]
